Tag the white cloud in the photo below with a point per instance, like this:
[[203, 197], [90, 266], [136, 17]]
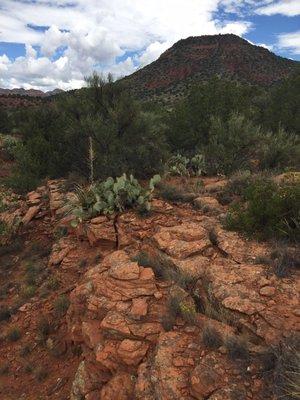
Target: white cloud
[[290, 8], [92, 34], [269, 47], [290, 41]]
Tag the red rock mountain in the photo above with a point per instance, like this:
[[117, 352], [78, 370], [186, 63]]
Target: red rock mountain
[[199, 58]]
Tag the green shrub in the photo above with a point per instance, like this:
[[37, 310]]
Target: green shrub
[[267, 210], [231, 144], [56, 139], [279, 150], [189, 123], [9, 145], [22, 182]]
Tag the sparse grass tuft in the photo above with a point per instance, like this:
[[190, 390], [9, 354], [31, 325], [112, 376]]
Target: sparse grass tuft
[[164, 269], [211, 338], [52, 283], [41, 373], [25, 350], [287, 369], [237, 348], [4, 369], [44, 328], [213, 237], [83, 263], [29, 368], [28, 291], [61, 305], [4, 313], [174, 194], [14, 334], [284, 260], [176, 307]]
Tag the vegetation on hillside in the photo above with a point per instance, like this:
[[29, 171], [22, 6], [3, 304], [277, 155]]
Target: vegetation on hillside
[[220, 128]]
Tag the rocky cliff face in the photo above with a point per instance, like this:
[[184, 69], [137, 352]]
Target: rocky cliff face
[[197, 59], [169, 307]]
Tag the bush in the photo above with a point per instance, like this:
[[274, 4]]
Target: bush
[[268, 210], [190, 121], [100, 128], [279, 150], [22, 182], [9, 145], [232, 145]]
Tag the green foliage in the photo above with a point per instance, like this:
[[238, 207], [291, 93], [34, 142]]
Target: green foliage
[[3, 228], [231, 144], [9, 144], [281, 106], [110, 196], [57, 136], [268, 210], [190, 121], [279, 150], [5, 121]]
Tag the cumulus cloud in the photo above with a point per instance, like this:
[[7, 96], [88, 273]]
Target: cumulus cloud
[[65, 40], [290, 41], [266, 46], [290, 8]]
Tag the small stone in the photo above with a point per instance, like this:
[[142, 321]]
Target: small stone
[[267, 291], [223, 350], [297, 312]]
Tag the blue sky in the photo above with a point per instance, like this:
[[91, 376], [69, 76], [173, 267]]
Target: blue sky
[[46, 44]]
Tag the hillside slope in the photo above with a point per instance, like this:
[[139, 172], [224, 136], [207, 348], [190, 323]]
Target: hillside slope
[[199, 58]]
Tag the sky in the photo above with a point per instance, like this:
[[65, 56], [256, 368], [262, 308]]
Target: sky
[[48, 44]]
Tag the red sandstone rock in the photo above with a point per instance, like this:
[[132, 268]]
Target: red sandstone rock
[[31, 213]]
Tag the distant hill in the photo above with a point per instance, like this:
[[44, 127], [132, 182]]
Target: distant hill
[[197, 59], [20, 98], [29, 92]]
